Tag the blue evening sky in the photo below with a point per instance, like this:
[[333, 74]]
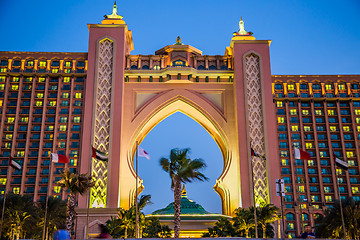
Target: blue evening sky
[[308, 37]]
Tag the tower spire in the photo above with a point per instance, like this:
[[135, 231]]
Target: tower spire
[[242, 28], [183, 191], [114, 14]]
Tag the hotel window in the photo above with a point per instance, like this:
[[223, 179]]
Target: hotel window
[[323, 154], [355, 190], [341, 86], [331, 112], [65, 95], [318, 112], [15, 79], [54, 70], [301, 188], [339, 171], [24, 119], [76, 119], [346, 128], [66, 79], [307, 128], [291, 87], [305, 112], [294, 128], [349, 154], [357, 111], [309, 145], [78, 95], [279, 104], [333, 128], [283, 145], [41, 79], [62, 128], [20, 154], [57, 189], [281, 120], [328, 86], [63, 119], [284, 162], [67, 63], [351, 163], [42, 63], [290, 226], [2, 86], [52, 103], [10, 119], [62, 145], [293, 112], [16, 190], [77, 103], [39, 103], [15, 87], [283, 153], [65, 103], [39, 95], [328, 199]]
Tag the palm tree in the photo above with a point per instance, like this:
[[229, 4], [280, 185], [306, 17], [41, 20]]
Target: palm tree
[[243, 220], [181, 170], [56, 214], [267, 214], [76, 184]]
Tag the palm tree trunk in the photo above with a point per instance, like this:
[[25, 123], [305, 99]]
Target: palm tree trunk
[[264, 231], [246, 233], [125, 232], [177, 208], [70, 213]]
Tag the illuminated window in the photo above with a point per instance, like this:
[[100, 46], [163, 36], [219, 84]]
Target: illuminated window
[[291, 87], [331, 112], [7, 145], [309, 145], [51, 128], [10, 119], [279, 104], [346, 128], [62, 145], [65, 95], [28, 79], [341, 86], [357, 120], [357, 111], [339, 171], [351, 163], [76, 119], [52, 103], [307, 128], [73, 162], [333, 128], [305, 112], [303, 206], [281, 120], [294, 128], [2, 78], [301, 189], [2, 181], [15, 87], [62, 128], [39, 95], [15, 79], [328, 86], [8, 136], [30, 63], [78, 95], [1, 103], [311, 163], [323, 154], [284, 162], [16, 190], [20, 153], [66, 79], [42, 64], [57, 189], [54, 70], [293, 112], [349, 154], [2, 86], [39, 103], [355, 189], [41, 79], [327, 190], [24, 119], [290, 226], [318, 112], [68, 64], [328, 199]]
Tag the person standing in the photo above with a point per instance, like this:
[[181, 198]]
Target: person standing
[[61, 233], [308, 233]]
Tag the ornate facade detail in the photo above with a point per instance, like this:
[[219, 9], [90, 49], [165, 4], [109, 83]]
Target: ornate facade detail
[[256, 126], [102, 121]]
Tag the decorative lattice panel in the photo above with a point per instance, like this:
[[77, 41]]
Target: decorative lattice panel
[[256, 126], [102, 121]]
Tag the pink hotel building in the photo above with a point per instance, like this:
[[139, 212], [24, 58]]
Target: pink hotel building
[[66, 102]]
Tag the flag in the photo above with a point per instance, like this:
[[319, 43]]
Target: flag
[[341, 163], [143, 153], [99, 155], [255, 154], [57, 158], [300, 154], [14, 163]]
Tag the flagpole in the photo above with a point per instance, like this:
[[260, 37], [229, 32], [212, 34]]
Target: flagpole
[[253, 185], [136, 193], [46, 203], [4, 200], [341, 209]]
